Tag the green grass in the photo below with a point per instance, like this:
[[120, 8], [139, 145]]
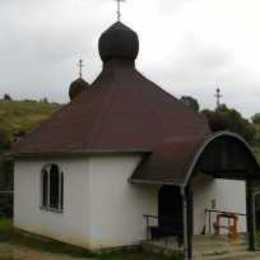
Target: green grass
[[23, 116], [6, 225], [6, 229], [12, 236], [46, 245], [258, 239]]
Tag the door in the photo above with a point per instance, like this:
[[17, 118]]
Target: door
[[170, 208]]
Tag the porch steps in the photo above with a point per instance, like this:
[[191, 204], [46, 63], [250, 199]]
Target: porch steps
[[167, 246], [220, 248], [206, 248], [243, 255]]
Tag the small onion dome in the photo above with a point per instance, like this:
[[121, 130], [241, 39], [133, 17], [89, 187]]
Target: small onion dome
[[76, 87], [118, 41]]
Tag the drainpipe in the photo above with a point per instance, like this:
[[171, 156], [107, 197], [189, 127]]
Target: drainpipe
[[250, 215], [185, 226], [255, 194]]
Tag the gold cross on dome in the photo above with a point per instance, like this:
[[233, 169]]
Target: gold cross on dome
[[80, 65], [218, 97], [119, 9]]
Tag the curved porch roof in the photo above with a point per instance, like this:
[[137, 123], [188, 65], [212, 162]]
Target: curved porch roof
[[222, 155]]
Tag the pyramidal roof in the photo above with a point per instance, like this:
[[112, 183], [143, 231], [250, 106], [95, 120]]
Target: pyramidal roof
[[121, 112]]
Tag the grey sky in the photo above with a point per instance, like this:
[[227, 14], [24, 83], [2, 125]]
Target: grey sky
[[186, 46]]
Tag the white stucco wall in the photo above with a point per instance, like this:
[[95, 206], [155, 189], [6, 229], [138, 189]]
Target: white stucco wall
[[117, 207], [230, 195], [72, 225], [101, 208]]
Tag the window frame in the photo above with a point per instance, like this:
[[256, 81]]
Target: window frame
[[46, 189]]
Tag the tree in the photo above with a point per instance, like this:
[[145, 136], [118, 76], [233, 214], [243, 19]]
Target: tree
[[217, 122], [230, 119], [190, 102], [256, 119], [45, 100], [4, 140], [7, 97]]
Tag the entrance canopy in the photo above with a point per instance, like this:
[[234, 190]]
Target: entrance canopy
[[222, 155]]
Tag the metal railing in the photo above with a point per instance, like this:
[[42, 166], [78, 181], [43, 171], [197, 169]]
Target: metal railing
[[148, 219], [163, 227]]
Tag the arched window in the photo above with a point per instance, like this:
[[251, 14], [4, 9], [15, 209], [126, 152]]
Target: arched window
[[52, 188]]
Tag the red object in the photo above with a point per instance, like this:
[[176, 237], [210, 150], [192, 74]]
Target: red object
[[232, 226]]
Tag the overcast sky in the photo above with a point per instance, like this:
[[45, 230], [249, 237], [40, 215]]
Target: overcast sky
[[186, 46]]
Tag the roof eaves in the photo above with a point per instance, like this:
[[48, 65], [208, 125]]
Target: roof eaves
[[140, 181], [78, 153]]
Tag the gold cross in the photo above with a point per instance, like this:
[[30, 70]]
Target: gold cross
[[218, 97], [119, 9], [81, 65]]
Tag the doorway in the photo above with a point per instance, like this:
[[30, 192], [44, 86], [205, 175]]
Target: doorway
[[170, 208]]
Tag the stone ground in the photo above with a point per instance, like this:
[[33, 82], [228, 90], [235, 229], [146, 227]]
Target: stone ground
[[10, 251]]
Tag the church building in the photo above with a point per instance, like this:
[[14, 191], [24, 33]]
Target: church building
[[125, 161]]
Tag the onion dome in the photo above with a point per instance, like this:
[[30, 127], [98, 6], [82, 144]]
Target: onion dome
[[118, 41], [77, 87]]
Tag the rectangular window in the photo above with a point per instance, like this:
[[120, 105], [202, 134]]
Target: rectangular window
[[52, 188]]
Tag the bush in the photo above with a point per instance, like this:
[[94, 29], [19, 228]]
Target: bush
[[7, 97], [4, 140], [256, 119], [230, 119], [190, 102]]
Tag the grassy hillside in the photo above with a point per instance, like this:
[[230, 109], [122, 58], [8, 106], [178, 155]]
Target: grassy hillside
[[17, 117]]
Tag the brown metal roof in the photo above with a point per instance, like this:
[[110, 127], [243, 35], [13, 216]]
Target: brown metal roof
[[222, 154], [169, 163], [121, 111]]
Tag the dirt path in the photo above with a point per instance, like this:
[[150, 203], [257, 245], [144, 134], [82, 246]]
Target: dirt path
[[16, 252]]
